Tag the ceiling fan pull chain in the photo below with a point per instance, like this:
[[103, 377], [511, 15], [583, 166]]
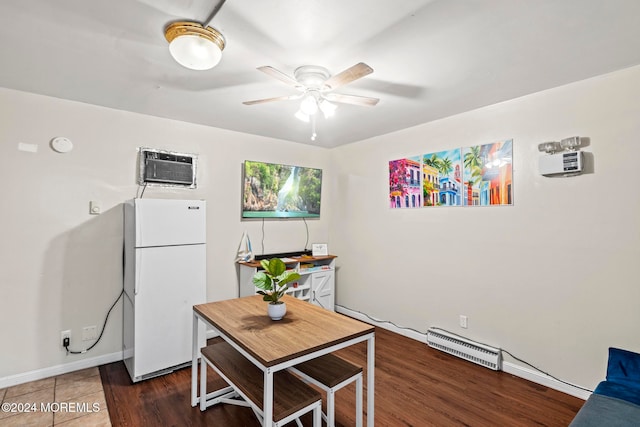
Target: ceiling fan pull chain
[[313, 128]]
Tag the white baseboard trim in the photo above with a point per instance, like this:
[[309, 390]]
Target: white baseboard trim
[[39, 374], [542, 379], [409, 333], [508, 367]]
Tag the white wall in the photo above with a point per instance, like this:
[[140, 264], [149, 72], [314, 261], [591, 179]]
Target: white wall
[[553, 278], [61, 268]]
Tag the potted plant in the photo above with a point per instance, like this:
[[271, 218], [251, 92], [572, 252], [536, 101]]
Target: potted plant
[[272, 282]]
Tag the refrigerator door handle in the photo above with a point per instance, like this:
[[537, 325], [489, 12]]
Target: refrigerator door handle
[[141, 256], [136, 279]]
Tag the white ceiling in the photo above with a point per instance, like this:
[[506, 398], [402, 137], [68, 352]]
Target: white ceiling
[[431, 58]]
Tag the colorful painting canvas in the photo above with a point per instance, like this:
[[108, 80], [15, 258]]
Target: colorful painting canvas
[[488, 174], [442, 178], [404, 183]]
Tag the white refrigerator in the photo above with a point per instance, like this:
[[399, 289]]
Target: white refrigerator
[[164, 276]]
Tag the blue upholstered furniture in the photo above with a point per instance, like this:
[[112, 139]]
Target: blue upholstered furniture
[[616, 401]]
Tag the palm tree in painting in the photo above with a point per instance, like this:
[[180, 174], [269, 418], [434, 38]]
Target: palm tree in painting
[[432, 161], [473, 163], [444, 166], [472, 158], [428, 187]]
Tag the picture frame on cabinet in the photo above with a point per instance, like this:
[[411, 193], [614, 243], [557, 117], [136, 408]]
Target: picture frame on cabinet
[[319, 249]]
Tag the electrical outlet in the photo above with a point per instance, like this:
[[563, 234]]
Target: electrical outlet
[[463, 321], [89, 333], [63, 335]]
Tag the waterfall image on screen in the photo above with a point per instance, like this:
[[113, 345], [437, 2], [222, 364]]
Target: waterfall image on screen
[[280, 191]]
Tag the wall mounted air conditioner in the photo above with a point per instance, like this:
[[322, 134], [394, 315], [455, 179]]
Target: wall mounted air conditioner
[[167, 168], [563, 163]]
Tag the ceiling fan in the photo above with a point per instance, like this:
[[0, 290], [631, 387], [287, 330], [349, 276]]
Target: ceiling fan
[[316, 85]]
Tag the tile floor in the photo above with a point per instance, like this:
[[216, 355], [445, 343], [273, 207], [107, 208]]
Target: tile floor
[[73, 399]]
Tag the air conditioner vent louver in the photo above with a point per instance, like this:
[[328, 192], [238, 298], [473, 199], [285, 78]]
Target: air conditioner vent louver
[[489, 357]]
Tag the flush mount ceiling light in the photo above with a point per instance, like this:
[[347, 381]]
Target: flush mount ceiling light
[[194, 46]]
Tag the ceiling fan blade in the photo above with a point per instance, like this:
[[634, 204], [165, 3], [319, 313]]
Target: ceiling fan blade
[[281, 76], [364, 101], [278, 98], [347, 76]]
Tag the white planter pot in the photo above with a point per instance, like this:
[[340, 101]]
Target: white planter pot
[[276, 311]]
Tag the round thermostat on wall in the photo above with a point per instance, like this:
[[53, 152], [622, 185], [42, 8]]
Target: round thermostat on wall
[[61, 144]]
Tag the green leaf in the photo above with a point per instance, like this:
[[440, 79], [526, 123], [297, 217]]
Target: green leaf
[[282, 291], [276, 267], [287, 277], [262, 281]]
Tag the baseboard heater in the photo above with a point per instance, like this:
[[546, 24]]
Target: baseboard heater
[[484, 355]]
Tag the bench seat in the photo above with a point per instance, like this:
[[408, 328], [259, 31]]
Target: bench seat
[[291, 397], [331, 373]]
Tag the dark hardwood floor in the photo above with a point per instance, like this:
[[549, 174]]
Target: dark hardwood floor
[[415, 386]]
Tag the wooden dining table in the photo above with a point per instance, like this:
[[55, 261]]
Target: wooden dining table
[[306, 332]]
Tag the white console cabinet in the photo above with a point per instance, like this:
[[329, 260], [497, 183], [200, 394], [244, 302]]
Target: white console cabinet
[[316, 283]]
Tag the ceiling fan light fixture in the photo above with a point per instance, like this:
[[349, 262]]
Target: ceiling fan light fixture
[[194, 46], [302, 116], [309, 105], [327, 108]]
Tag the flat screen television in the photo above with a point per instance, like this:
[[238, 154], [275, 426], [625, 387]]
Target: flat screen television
[[273, 190]]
